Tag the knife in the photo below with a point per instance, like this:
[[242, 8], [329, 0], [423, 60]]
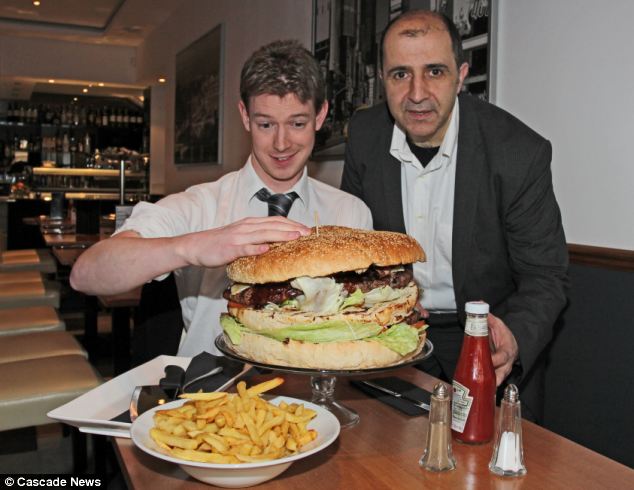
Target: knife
[[418, 403]]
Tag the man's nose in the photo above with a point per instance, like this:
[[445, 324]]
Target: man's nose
[[418, 89], [280, 142]]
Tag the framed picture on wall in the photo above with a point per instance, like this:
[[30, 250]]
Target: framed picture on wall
[[198, 100], [346, 42]]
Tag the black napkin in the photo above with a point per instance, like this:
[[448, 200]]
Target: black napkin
[[176, 377], [401, 386]]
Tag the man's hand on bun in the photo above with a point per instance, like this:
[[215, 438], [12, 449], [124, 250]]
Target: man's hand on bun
[[248, 236], [505, 351]]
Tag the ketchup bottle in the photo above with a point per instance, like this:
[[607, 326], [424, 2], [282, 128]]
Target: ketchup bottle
[[473, 403]]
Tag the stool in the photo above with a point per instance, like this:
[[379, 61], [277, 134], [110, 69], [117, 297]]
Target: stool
[[39, 345], [29, 294], [17, 321], [19, 276], [28, 260], [30, 389]]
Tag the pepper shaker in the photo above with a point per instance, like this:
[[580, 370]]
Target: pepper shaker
[[438, 455], [508, 453]]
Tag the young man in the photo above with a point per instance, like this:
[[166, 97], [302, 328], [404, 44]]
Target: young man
[[472, 184], [194, 233]]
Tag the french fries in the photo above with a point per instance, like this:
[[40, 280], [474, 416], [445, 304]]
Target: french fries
[[232, 428]]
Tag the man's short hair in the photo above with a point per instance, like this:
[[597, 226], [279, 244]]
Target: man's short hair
[[456, 42], [281, 68]]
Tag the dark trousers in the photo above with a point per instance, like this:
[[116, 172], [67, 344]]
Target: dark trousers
[[446, 335]]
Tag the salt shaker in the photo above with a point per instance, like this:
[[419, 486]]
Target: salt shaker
[[438, 455], [508, 453]]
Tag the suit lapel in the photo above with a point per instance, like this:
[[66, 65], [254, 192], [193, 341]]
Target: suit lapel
[[393, 197], [469, 165]]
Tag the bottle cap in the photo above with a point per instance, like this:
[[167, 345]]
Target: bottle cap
[[477, 307]]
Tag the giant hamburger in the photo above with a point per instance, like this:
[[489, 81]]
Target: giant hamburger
[[339, 298]]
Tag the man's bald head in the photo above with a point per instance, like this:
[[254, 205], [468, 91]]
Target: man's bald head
[[424, 20]]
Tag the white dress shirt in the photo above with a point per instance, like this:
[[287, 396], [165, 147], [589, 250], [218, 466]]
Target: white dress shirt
[[428, 198], [219, 203]]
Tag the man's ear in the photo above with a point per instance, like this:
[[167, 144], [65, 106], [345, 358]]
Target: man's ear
[[321, 116], [244, 115], [462, 74]]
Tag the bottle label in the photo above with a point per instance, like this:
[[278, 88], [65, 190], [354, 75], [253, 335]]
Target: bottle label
[[460, 406], [477, 326]]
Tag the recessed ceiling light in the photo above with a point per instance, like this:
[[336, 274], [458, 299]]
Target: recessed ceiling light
[[84, 90], [51, 81], [162, 80], [36, 3]]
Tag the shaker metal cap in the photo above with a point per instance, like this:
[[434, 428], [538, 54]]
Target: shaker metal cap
[[440, 390], [511, 394]]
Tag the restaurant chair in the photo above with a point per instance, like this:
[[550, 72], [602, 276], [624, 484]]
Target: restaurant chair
[[29, 389], [19, 276], [18, 321], [29, 259], [39, 345], [25, 294]]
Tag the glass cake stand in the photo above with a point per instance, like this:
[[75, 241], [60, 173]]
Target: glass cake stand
[[322, 381]]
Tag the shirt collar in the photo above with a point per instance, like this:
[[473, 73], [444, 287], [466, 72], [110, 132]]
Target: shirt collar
[[252, 183], [400, 150]]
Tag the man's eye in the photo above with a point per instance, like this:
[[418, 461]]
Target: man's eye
[[299, 125], [264, 125], [436, 72], [399, 75]]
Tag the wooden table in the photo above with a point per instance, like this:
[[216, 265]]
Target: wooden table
[[383, 450], [70, 239]]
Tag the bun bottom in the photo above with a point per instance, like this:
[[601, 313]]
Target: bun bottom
[[348, 355]]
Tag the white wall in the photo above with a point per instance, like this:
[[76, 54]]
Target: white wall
[[565, 68], [248, 24]]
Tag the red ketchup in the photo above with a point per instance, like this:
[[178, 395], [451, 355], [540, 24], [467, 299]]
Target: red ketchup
[[473, 402]]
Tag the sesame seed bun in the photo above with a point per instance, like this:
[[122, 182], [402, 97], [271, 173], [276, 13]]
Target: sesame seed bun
[[333, 249]]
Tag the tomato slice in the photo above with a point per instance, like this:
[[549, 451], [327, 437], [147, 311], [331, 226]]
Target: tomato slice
[[233, 304]]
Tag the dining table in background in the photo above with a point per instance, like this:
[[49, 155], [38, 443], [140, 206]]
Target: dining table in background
[[67, 247], [383, 451]]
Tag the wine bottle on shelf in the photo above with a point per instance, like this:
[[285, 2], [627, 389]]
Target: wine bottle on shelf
[[104, 116]]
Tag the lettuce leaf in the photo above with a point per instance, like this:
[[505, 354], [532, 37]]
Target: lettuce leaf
[[330, 331], [232, 327], [382, 294], [401, 338], [322, 295], [355, 299]]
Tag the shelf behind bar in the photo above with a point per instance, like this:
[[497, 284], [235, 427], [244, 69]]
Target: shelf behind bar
[[85, 172]]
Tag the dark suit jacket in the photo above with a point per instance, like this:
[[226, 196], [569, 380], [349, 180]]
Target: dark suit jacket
[[508, 243]]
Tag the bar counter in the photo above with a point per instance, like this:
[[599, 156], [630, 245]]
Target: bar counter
[[383, 450]]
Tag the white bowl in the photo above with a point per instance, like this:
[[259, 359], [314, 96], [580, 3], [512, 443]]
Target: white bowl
[[245, 474]]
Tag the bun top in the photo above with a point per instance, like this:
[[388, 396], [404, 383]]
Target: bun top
[[334, 249]]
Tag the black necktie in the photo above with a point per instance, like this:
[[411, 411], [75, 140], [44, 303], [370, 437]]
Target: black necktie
[[279, 204]]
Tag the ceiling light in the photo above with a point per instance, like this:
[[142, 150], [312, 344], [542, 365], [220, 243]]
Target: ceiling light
[[84, 90], [51, 81], [162, 80], [36, 3], [100, 84]]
